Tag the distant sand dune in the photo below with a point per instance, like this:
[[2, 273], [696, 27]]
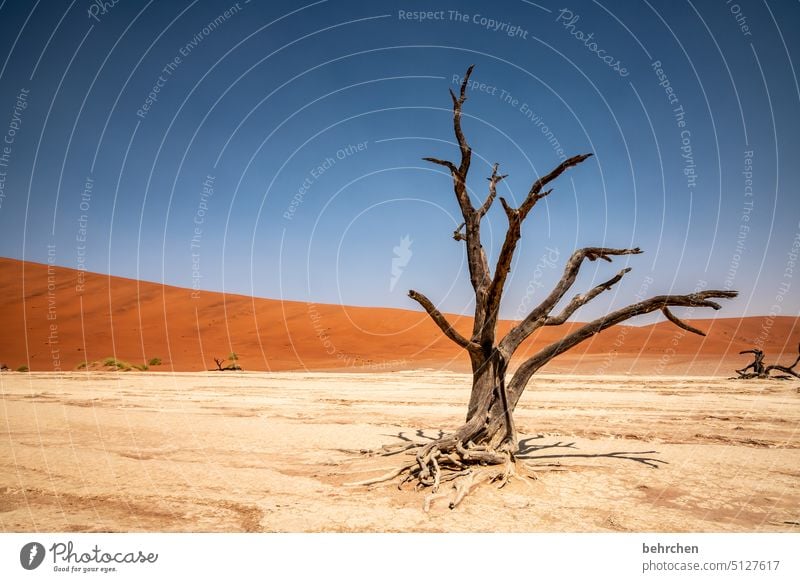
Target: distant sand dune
[[136, 321]]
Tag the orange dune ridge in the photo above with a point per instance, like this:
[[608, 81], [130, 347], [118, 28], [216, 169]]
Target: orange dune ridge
[[49, 324]]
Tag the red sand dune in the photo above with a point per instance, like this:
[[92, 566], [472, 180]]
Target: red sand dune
[[60, 326]]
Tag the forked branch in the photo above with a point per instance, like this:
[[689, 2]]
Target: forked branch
[[459, 173], [530, 366], [466, 151], [580, 300], [535, 193], [494, 180], [516, 216], [476, 258], [538, 316]]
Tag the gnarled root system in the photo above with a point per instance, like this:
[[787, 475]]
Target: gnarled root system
[[449, 469]]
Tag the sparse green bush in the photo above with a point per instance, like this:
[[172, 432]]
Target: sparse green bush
[[82, 365], [23, 368], [142, 367], [118, 364], [154, 362]]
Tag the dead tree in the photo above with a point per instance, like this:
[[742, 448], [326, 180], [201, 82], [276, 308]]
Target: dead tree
[[764, 372], [757, 365], [488, 436], [233, 366]]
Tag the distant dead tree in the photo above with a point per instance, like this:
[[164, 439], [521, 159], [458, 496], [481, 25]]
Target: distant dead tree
[[763, 372], [488, 436], [233, 366], [757, 364]]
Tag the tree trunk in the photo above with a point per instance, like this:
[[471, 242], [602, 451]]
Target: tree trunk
[[489, 420]]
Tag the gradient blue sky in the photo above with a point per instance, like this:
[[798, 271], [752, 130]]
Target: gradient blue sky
[[278, 88]]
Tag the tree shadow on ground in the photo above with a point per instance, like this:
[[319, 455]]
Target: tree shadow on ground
[[419, 434], [526, 448]]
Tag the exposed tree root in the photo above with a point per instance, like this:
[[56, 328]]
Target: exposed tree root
[[448, 468], [387, 477]]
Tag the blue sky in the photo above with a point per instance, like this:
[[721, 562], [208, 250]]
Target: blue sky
[[281, 156]]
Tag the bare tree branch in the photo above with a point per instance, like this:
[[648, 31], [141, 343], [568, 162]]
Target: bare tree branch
[[460, 173], [447, 164], [494, 180], [501, 271], [537, 317], [513, 234], [442, 322], [508, 209], [530, 366], [476, 258], [466, 151], [680, 323], [582, 299], [785, 369], [535, 194]]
